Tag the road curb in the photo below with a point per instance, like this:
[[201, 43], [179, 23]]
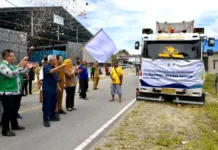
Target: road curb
[[100, 132]]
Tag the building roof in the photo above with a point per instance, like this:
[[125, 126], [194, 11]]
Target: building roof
[[44, 30]]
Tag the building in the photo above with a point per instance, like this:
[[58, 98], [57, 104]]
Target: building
[[211, 62], [129, 59], [10, 39], [67, 35]]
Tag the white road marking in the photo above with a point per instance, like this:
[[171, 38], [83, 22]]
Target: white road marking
[[94, 135]]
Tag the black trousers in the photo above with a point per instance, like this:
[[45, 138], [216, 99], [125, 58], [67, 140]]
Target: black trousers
[[11, 106], [49, 105], [70, 91], [30, 86], [24, 89], [92, 76], [84, 87]]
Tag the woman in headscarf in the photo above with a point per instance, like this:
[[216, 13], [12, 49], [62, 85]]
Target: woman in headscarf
[[70, 84]]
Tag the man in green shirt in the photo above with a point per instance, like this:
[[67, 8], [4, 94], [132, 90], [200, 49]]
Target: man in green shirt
[[10, 90]]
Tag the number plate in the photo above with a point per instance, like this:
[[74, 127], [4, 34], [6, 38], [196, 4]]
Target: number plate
[[168, 91]]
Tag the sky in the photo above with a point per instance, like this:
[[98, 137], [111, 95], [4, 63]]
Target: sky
[[123, 20]]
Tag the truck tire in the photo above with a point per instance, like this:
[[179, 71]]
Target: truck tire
[[203, 98], [137, 98]]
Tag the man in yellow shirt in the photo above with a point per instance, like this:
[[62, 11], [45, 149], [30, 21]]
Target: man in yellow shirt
[[116, 75]]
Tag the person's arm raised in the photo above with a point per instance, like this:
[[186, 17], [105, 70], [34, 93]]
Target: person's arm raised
[[56, 69]]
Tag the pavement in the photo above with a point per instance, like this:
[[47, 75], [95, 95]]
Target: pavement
[[75, 126]]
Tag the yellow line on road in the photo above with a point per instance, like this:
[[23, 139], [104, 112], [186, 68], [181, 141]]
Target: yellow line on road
[[24, 111]]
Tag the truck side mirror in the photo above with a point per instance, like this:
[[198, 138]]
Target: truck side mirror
[[203, 38], [211, 42], [209, 52], [137, 44]]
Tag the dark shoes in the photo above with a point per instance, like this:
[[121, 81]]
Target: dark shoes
[[19, 116], [9, 133], [18, 128], [62, 112], [55, 119], [57, 115], [74, 108], [46, 124]]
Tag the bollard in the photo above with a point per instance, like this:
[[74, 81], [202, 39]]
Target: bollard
[[216, 83]]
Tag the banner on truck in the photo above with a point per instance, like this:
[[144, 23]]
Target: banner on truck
[[173, 74]]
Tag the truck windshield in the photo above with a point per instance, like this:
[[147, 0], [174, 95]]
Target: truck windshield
[[186, 49]]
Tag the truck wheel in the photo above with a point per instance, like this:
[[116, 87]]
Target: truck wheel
[[203, 98], [137, 98]]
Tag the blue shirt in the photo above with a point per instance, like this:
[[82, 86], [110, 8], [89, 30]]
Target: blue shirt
[[84, 74], [50, 81]]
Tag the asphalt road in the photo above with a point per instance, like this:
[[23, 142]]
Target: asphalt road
[[75, 126]]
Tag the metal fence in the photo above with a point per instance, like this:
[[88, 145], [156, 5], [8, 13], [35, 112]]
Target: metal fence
[[72, 50]]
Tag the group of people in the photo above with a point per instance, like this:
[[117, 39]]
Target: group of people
[[54, 76]]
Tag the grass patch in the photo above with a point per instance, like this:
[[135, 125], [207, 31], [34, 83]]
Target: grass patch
[[97, 148], [208, 123], [107, 145], [209, 84], [208, 129], [167, 140], [164, 126]]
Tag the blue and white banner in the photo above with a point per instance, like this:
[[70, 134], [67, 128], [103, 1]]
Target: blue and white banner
[[173, 74]]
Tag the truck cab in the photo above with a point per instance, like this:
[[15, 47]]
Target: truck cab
[[172, 66]]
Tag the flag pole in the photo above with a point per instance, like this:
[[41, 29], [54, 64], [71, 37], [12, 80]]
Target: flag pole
[[86, 43]]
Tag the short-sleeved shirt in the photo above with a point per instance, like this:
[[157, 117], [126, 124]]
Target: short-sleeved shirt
[[115, 75], [84, 74], [50, 81]]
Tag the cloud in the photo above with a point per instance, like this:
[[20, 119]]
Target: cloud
[[124, 20]]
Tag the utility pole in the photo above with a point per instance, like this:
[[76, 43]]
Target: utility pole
[[77, 35], [32, 25], [58, 33]]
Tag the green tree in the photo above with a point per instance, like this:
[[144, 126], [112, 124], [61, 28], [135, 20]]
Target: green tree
[[114, 57], [123, 51]]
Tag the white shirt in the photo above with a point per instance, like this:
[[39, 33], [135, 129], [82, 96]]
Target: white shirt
[[41, 76], [109, 69]]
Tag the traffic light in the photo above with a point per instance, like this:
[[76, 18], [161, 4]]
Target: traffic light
[[147, 31], [199, 30]]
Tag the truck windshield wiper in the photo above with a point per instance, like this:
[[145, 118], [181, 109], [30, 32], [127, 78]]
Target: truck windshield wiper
[[159, 57], [172, 57], [180, 59]]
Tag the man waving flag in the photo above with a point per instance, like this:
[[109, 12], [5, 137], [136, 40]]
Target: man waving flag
[[101, 46]]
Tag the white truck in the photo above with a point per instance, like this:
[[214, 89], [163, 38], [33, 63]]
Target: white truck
[[172, 63]]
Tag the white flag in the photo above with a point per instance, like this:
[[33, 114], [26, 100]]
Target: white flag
[[101, 47]]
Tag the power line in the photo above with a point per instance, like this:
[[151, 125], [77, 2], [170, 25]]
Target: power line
[[11, 3]]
